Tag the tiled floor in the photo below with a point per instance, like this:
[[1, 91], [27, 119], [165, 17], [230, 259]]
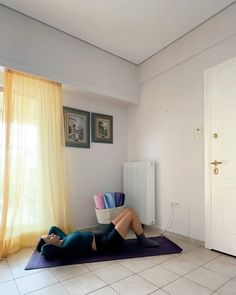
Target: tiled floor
[[196, 271]]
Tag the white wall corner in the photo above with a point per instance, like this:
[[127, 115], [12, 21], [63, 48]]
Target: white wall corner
[[212, 32]]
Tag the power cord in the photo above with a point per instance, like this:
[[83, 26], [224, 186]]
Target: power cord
[[170, 221]]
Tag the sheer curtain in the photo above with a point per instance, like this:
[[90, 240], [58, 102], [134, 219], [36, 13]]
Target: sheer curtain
[[33, 185]]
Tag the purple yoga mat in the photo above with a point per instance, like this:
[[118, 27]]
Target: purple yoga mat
[[130, 249]]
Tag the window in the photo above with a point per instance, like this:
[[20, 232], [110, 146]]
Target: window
[[27, 150]]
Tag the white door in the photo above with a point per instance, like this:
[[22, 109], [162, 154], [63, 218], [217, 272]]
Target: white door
[[221, 95]]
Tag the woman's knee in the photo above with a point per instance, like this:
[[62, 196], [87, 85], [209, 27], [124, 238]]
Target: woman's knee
[[131, 211], [125, 210], [129, 215]]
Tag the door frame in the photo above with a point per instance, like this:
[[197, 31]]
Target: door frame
[[207, 158], [207, 147]]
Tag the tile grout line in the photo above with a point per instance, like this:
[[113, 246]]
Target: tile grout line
[[115, 281], [224, 284], [17, 288], [180, 276]]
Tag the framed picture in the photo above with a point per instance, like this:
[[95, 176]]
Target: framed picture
[[102, 128], [77, 127]]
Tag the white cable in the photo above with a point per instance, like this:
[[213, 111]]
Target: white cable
[[170, 221]]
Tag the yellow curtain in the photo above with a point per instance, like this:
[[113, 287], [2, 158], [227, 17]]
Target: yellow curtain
[[33, 184]]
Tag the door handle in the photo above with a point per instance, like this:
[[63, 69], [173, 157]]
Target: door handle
[[216, 162]]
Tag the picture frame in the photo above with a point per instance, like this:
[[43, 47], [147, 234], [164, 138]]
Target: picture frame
[[102, 128], [77, 127]]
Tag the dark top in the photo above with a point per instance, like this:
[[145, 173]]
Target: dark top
[[80, 241], [75, 243]]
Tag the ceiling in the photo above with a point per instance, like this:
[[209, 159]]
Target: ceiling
[[131, 29]]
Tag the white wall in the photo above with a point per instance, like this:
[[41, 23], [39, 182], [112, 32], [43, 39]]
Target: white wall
[[100, 167], [1, 77], [31, 46], [162, 127]]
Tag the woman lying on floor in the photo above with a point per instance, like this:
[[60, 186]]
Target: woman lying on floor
[[57, 244]]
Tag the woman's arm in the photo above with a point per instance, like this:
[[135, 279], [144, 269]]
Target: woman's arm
[[57, 231], [50, 251]]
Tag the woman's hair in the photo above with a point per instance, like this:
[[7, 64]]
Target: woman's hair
[[40, 244]]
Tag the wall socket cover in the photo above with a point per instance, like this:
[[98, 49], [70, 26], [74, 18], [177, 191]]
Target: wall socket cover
[[175, 204]]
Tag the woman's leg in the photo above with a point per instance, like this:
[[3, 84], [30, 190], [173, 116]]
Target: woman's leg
[[130, 220], [120, 216]]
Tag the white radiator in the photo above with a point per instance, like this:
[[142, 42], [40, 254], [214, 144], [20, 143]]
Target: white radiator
[[139, 189]]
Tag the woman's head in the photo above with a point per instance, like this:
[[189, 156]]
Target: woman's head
[[40, 245], [51, 239], [48, 239]]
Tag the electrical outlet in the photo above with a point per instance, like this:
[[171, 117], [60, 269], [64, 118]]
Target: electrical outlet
[[175, 204], [198, 133]]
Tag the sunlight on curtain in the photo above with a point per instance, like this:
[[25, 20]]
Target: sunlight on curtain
[[33, 186]]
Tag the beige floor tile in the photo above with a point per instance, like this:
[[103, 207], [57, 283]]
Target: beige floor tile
[[3, 263], [196, 258], [96, 265], [222, 267], [228, 289], [83, 284], [5, 274], [35, 281], [134, 285], [159, 292], [183, 286], [112, 273], [104, 291], [228, 258], [159, 276], [207, 278], [56, 289], [68, 271], [19, 271], [206, 252], [9, 288], [178, 265], [160, 258], [184, 245], [20, 257], [137, 264]]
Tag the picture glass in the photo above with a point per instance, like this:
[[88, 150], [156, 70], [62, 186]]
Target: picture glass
[[77, 127], [102, 128]]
